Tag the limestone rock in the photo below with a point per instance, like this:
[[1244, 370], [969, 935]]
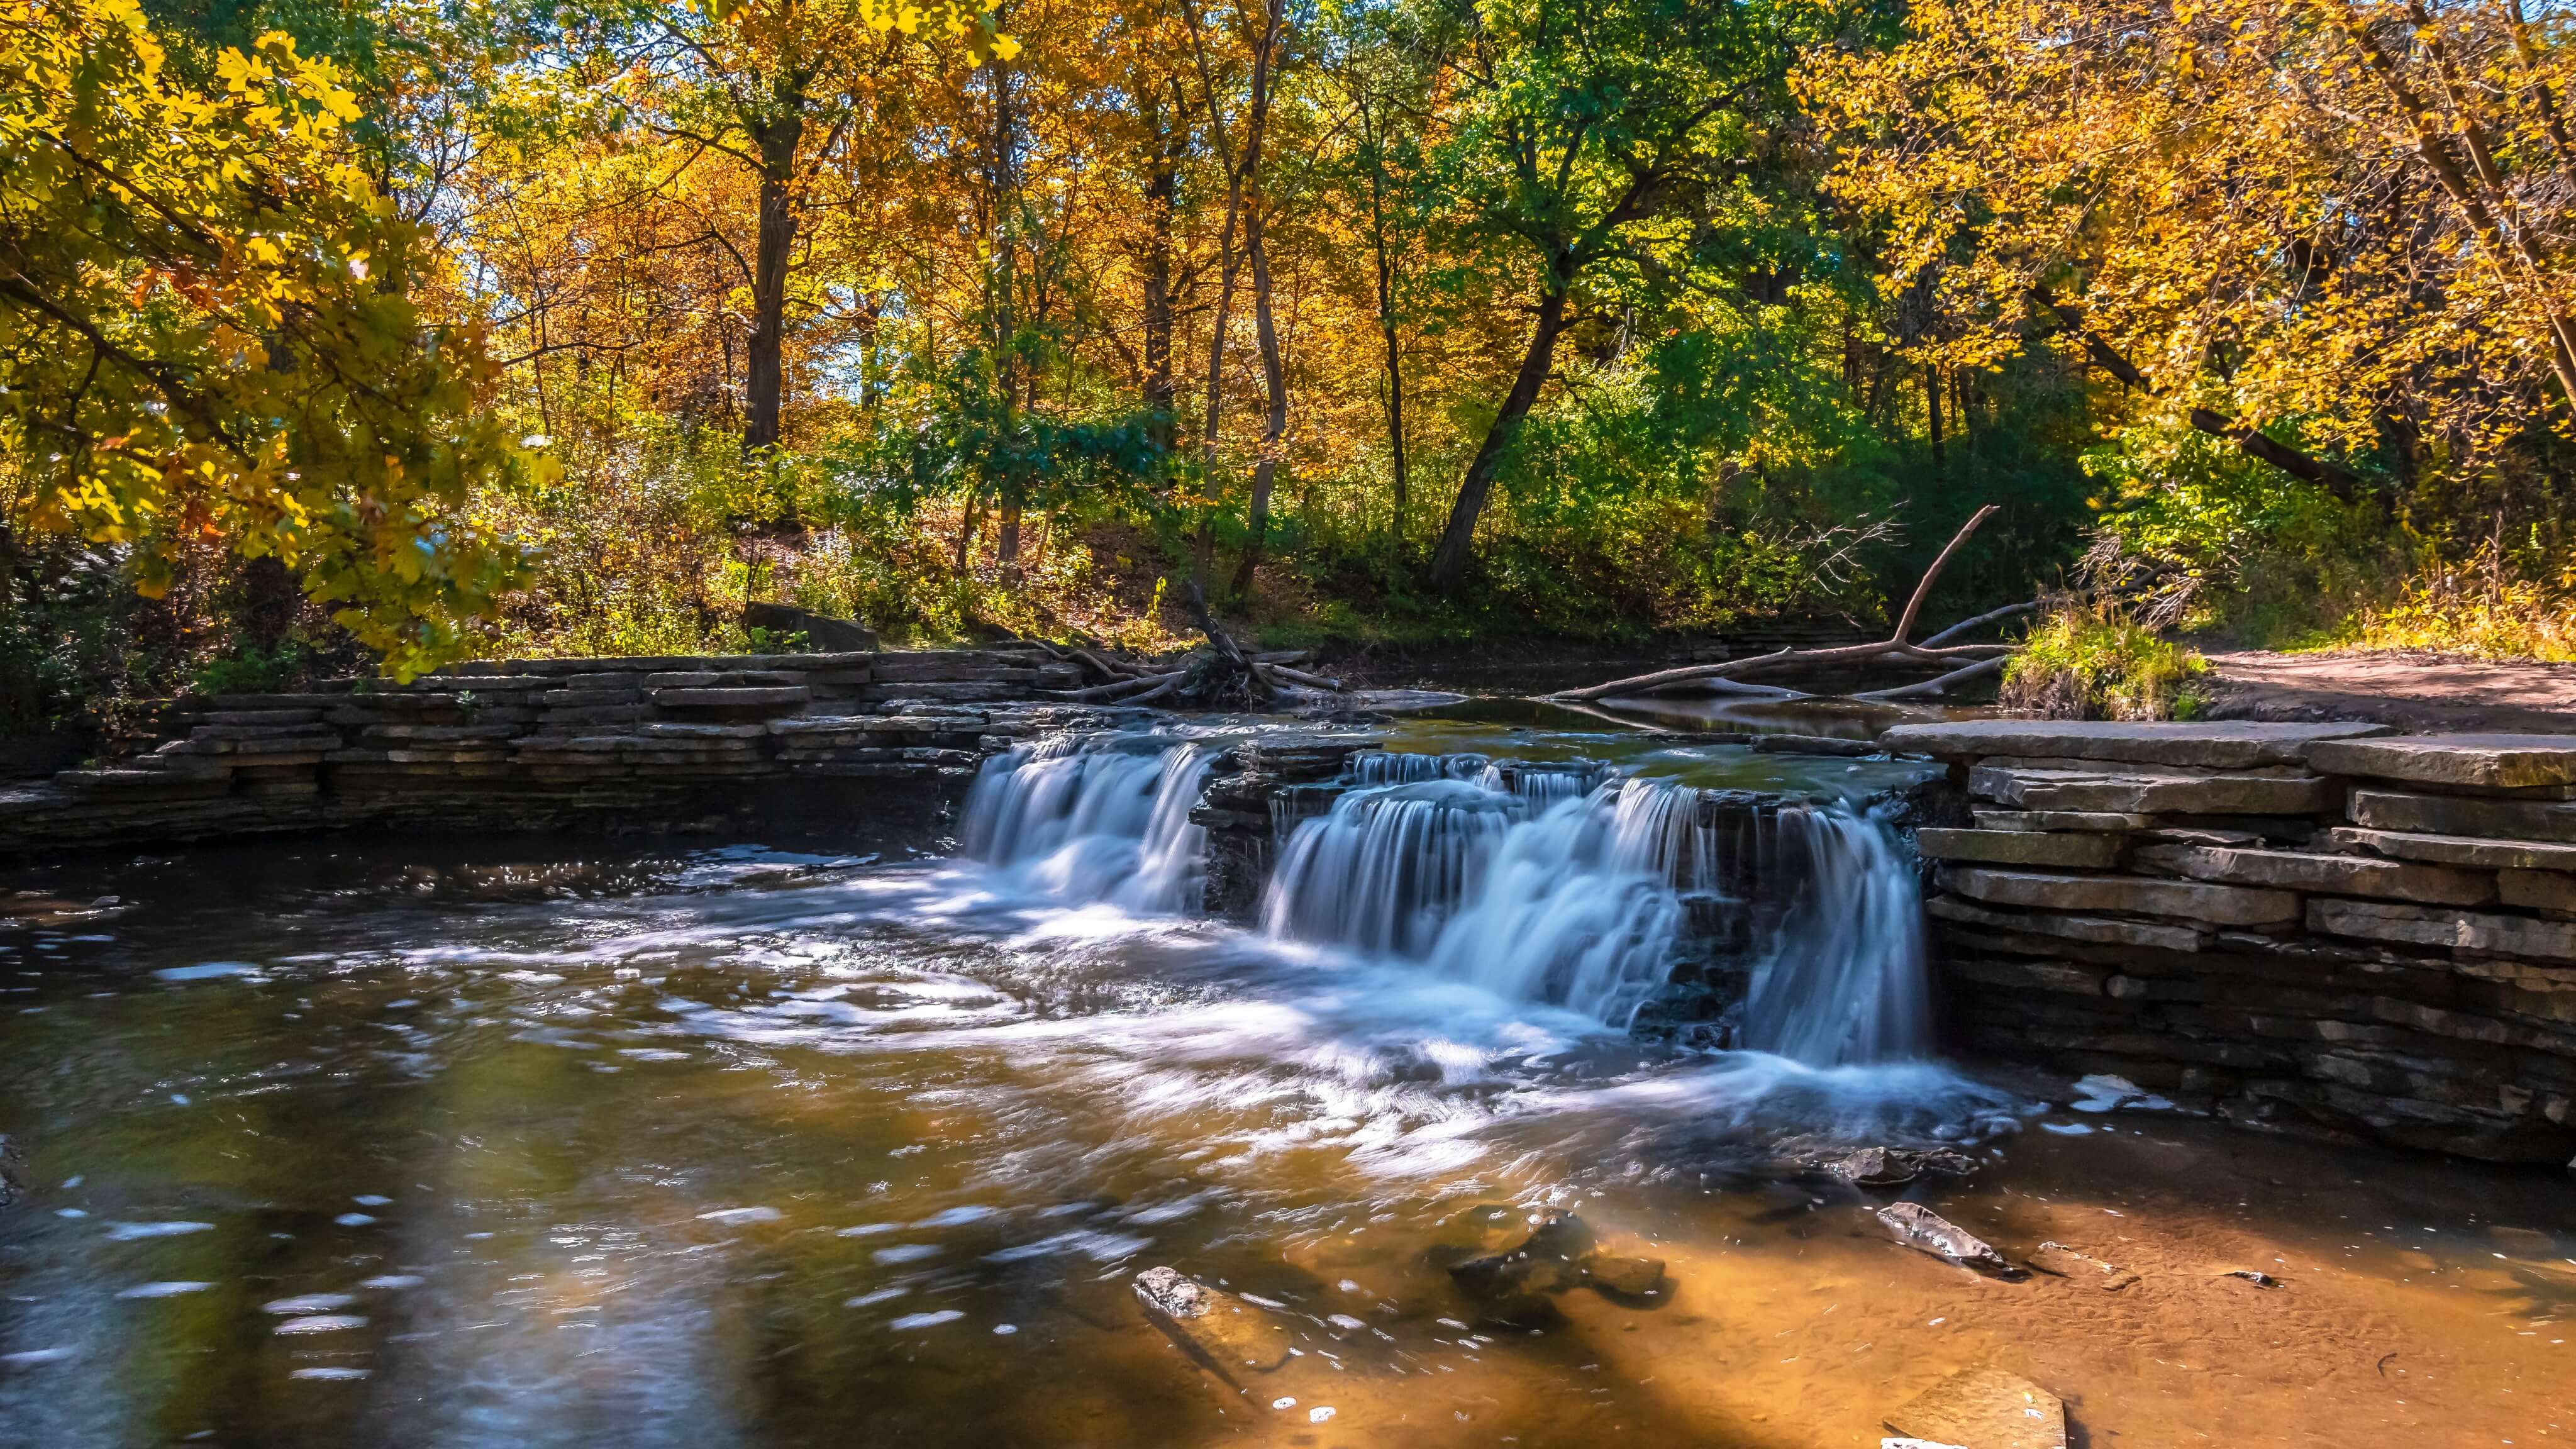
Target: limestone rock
[[2539, 890], [1924, 1230], [2341, 875], [2100, 930], [2230, 745], [2459, 815], [2152, 791], [1984, 1408], [2109, 820], [1895, 1166], [1626, 1276], [1544, 1262], [2457, 849], [2482, 933], [2073, 849], [1229, 1332], [2494, 762], [2196, 901]]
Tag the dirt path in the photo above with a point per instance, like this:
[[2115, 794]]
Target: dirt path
[[2413, 690]]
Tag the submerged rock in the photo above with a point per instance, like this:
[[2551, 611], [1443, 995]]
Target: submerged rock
[[1543, 1263], [1895, 1166], [1627, 1277], [1984, 1408], [1217, 1326], [2066, 1262], [1920, 1228], [11, 1186], [1559, 1254]]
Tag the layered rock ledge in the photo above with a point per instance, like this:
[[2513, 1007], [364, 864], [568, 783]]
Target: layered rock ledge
[[558, 743], [2310, 927]]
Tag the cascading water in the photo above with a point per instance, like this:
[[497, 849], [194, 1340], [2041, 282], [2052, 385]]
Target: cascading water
[[1095, 818], [1844, 980], [1541, 886], [1540, 891]]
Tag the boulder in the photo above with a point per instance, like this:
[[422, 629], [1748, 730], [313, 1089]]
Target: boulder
[[2488, 762], [820, 630], [1228, 1332], [2228, 745], [2196, 901], [2340, 875], [2457, 849], [2484, 934], [2073, 849], [2461, 815], [1920, 1228], [1984, 1408]]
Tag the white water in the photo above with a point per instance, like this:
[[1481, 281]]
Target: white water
[[1095, 818], [1517, 880]]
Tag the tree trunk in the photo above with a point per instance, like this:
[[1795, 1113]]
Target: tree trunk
[[1274, 372], [765, 384], [1932, 410], [1162, 196], [1458, 540], [1386, 323]]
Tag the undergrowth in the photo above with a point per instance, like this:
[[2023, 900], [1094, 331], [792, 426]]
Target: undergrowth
[[2091, 661]]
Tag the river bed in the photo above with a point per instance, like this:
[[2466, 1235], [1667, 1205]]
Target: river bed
[[471, 1142]]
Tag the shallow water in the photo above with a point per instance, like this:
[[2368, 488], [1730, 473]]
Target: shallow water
[[417, 1143]]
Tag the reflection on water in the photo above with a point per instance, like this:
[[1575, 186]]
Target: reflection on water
[[330, 1144]]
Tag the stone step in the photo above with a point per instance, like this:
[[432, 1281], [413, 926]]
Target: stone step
[[2195, 901], [2099, 820], [2227, 745], [2163, 793], [2073, 849], [2098, 930], [2485, 934], [2342, 875], [2461, 815], [2539, 890], [761, 697], [2457, 849], [2478, 761]]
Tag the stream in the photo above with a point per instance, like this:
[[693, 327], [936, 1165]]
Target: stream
[[503, 1142]]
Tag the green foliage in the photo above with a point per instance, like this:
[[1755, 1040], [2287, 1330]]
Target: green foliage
[[2089, 661]]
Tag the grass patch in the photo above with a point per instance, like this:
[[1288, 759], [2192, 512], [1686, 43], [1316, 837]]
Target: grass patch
[[2093, 662]]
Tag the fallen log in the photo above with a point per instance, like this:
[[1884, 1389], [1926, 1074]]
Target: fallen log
[[1892, 648]]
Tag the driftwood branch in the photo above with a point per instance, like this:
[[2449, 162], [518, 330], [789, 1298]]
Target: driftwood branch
[[1991, 616], [1894, 648], [1941, 684]]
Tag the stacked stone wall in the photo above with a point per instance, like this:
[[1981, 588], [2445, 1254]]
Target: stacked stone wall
[[2315, 927], [549, 744]]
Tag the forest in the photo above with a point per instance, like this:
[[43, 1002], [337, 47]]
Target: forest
[[341, 337]]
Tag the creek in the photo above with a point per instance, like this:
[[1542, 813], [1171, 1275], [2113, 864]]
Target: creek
[[515, 1141]]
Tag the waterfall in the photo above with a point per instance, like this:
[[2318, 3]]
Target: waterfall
[[1095, 818], [1543, 891], [1541, 885], [1844, 980]]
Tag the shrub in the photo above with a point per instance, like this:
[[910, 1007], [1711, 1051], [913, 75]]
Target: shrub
[[2090, 661]]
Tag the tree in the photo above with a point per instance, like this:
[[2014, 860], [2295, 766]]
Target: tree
[[217, 336], [1584, 134]]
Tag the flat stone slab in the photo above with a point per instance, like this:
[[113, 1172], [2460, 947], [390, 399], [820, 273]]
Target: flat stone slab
[[2485, 934], [2103, 820], [2215, 745], [2539, 890], [2164, 792], [2340, 875], [2188, 900], [1984, 1408], [2099, 930], [2495, 762], [2458, 849], [2460, 815], [2072, 849]]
